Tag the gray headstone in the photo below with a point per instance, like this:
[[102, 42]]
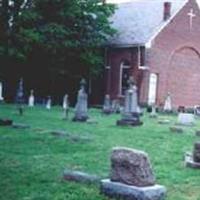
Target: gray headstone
[[186, 119], [107, 109], [65, 106], [130, 115], [81, 108], [176, 129], [48, 103], [131, 167], [196, 152]]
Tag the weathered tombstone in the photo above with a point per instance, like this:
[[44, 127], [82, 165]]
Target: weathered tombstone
[[130, 115], [65, 106], [81, 108], [197, 110], [176, 129], [1, 92], [20, 97], [48, 103], [116, 108], [107, 109], [153, 113], [168, 104], [131, 177], [31, 100], [193, 160], [186, 119]]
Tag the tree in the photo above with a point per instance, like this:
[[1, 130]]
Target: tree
[[70, 32]]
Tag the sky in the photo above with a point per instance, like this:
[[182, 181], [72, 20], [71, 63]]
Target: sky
[[119, 1]]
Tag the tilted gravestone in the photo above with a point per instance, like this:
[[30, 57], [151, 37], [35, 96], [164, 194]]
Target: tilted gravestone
[[130, 115], [193, 160], [81, 108], [131, 177]]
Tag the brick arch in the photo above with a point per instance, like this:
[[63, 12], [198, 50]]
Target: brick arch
[[183, 77]]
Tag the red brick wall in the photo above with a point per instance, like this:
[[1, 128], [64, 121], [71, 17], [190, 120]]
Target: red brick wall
[[175, 57]]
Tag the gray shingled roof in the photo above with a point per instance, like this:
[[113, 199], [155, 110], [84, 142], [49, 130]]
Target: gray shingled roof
[[136, 22]]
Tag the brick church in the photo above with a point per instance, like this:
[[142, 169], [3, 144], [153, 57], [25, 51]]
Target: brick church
[[158, 43]]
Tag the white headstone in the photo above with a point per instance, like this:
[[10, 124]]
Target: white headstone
[[1, 92], [31, 99], [186, 119], [48, 105], [168, 103]]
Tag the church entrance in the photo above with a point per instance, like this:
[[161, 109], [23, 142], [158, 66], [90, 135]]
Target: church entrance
[[184, 78], [124, 76]]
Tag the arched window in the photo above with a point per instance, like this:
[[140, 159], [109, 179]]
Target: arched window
[[153, 82]]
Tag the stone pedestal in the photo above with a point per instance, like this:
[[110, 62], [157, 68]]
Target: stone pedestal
[[130, 120], [131, 177], [189, 161], [129, 192]]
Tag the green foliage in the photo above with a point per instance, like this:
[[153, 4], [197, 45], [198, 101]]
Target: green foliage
[[69, 32]]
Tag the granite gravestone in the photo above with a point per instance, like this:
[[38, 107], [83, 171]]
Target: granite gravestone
[[107, 109], [130, 115], [65, 106], [31, 100], [168, 104], [48, 103], [20, 97], [186, 119], [193, 160], [131, 177], [81, 108], [1, 92]]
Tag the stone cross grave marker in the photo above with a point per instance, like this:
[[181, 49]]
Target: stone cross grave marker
[[168, 103]]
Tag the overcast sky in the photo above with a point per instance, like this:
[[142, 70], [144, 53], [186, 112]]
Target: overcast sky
[[118, 1]]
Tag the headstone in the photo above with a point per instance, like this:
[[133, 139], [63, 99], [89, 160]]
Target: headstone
[[116, 107], [31, 100], [1, 92], [168, 104], [193, 160], [65, 106], [163, 121], [197, 133], [131, 177], [186, 119], [6, 122], [153, 113], [130, 115], [197, 110], [20, 97], [176, 129], [48, 103], [107, 109], [81, 108], [80, 177]]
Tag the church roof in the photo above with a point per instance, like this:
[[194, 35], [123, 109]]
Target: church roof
[[138, 21]]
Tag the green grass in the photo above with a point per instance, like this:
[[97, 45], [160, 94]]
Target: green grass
[[32, 161]]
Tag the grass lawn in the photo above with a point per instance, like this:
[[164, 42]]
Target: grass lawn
[[32, 160]]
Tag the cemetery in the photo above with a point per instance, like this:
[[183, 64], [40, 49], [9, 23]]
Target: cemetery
[[99, 100], [46, 157]]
